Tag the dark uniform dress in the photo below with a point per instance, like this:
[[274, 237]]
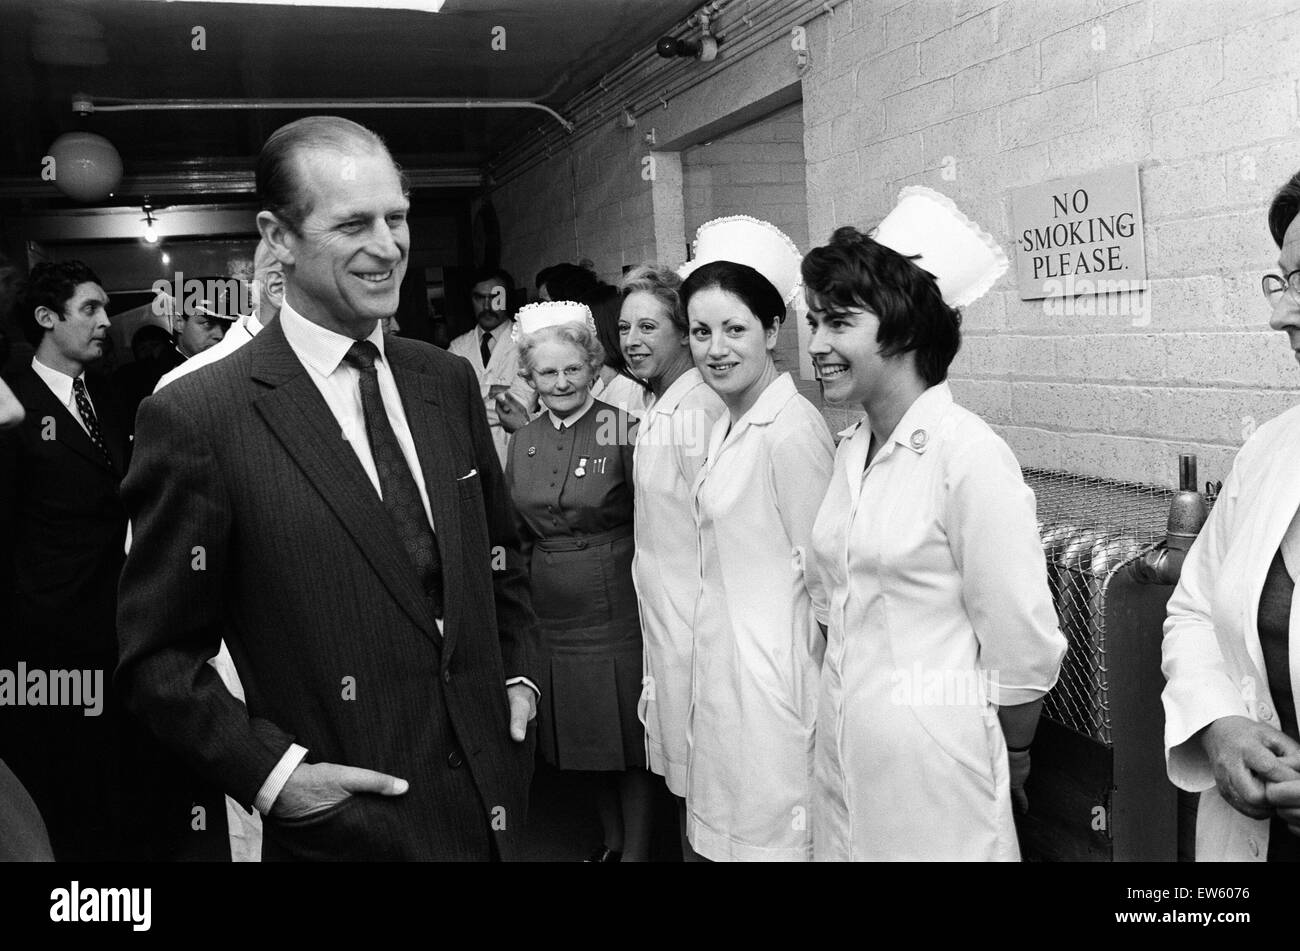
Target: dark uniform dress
[[572, 489]]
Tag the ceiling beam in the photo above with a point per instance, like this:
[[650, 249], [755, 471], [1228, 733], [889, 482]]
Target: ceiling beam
[[199, 181]]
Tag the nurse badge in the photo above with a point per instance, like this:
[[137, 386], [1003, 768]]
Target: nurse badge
[[919, 439], [532, 450]]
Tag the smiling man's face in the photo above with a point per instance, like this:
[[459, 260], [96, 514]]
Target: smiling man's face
[[349, 260]]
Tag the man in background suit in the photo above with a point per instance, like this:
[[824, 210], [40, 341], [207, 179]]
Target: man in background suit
[[62, 528], [329, 500]]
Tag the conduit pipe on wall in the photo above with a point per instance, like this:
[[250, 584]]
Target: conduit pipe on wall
[[651, 78], [87, 105], [769, 21]]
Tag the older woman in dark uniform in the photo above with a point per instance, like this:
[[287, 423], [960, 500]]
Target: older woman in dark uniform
[[570, 474]]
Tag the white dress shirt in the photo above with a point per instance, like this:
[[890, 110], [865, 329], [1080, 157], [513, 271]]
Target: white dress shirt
[[60, 385]]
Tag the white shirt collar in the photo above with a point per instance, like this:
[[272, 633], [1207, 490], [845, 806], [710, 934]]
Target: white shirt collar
[[572, 418], [495, 333], [60, 383], [321, 349]]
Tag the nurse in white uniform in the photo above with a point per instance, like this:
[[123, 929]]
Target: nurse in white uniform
[[928, 569], [671, 443], [757, 644]]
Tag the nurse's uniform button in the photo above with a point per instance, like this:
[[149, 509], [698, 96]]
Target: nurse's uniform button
[[919, 438]]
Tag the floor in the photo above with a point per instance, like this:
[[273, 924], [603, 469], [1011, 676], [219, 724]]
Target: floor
[[563, 826]]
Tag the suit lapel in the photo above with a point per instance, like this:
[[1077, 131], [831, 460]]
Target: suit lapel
[[421, 402], [67, 428], [300, 418]]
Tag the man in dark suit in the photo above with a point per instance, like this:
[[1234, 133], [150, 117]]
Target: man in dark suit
[[329, 501], [62, 528]]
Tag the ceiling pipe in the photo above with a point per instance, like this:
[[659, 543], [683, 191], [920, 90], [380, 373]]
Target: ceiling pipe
[[754, 26], [764, 23], [85, 105]]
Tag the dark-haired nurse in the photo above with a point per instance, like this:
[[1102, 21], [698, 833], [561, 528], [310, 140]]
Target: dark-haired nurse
[[926, 561], [757, 648]]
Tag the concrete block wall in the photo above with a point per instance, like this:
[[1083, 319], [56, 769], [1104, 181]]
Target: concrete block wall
[[977, 97], [756, 170], [589, 201]]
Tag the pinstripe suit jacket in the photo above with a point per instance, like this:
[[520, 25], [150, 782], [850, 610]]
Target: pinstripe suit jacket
[[254, 521]]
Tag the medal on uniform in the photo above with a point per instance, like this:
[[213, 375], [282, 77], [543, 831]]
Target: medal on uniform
[[582, 468]]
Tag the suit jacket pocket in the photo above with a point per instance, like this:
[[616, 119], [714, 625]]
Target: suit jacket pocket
[[337, 833], [470, 487]]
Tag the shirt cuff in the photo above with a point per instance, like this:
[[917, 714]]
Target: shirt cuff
[[526, 682], [271, 789]]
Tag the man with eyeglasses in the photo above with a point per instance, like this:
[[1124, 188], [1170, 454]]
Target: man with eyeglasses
[[1231, 720]]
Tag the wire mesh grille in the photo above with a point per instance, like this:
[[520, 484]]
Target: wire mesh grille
[[1089, 528]]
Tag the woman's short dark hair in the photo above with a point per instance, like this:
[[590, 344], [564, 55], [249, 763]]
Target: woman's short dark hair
[[1286, 204], [278, 187], [568, 282], [754, 290], [854, 272], [50, 284]]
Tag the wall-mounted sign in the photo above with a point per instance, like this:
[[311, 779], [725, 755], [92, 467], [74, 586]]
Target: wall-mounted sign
[[1080, 235]]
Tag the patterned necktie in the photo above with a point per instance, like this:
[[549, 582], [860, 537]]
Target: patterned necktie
[[88, 417], [401, 496], [485, 348]]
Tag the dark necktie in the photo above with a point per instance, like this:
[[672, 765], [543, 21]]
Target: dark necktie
[[88, 417], [484, 350], [401, 495]]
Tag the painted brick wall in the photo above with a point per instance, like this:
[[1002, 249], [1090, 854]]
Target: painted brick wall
[[977, 97]]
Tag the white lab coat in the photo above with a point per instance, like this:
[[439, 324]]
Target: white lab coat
[[628, 395], [757, 645], [1212, 659], [928, 572], [672, 442], [502, 370]]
